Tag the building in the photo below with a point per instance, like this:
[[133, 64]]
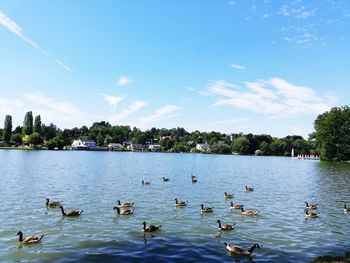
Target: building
[[83, 144], [203, 147], [154, 147], [115, 147], [136, 147]]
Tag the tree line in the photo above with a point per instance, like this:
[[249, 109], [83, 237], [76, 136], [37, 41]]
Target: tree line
[[331, 139]]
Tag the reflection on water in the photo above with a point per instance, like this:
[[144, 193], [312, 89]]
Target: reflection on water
[[93, 181]]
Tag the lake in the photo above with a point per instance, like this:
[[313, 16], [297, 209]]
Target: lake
[[93, 181]]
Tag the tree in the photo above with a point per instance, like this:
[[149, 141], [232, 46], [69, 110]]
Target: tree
[[241, 145], [332, 134], [35, 138], [6, 136], [37, 124], [16, 137], [28, 123]]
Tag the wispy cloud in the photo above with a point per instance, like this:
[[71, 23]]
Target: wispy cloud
[[228, 121], [123, 80], [135, 106], [236, 66], [274, 97], [64, 66], [190, 88], [112, 100], [16, 29], [166, 112]]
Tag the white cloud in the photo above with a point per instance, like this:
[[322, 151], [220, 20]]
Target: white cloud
[[190, 88], [236, 66], [64, 66], [112, 100], [228, 121], [166, 112], [274, 97], [122, 81], [129, 110]]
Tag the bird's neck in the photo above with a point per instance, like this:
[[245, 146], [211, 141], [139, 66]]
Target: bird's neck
[[219, 224], [20, 237], [252, 249], [63, 213]]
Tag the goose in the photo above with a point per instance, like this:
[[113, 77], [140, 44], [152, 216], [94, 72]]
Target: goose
[[225, 226], [150, 228], [71, 212], [228, 195], [28, 240], [310, 215], [124, 212], [145, 183], [180, 203], [248, 212], [346, 209], [126, 204], [249, 189], [52, 203], [166, 179], [194, 178], [310, 206], [235, 206], [206, 209], [241, 251]]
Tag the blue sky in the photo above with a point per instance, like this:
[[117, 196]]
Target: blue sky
[[230, 66]]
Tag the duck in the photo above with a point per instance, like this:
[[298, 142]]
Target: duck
[[145, 182], [310, 215], [228, 195], [225, 226], [241, 251], [29, 239], [150, 228], [126, 204], [180, 203], [194, 178], [235, 206], [248, 212], [346, 209], [71, 212], [52, 203], [124, 212], [249, 189], [206, 209], [166, 179], [310, 206]]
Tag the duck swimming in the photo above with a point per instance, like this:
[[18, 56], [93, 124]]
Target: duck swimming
[[241, 251], [71, 213], [150, 228], [29, 239], [225, 226]]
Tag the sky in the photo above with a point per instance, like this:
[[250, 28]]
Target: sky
[[261, 67]]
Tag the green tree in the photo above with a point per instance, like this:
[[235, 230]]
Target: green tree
[[16, 137], [240, 145], [28, 123], [6, 136], [332, 134], [26, 140], [35, 139], [37, 124]]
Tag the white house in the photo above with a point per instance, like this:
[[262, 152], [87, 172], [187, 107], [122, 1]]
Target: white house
[[136, 147], [83, 144], [115, 146], [203, 147], [154, 147]]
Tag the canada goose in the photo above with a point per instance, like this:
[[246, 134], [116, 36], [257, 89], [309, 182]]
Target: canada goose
[[248, 212], [346, 209], [228, 195], [28, 240], [126, 204], [310, 215], [150, 228], [225, 226], [310, 206], [52, 203], [124, 212], [180, 203], [235, 206], [206, 209], [166, 179], [241, 251], [71, 212], [145, 183], [249, 189], [194, 179]]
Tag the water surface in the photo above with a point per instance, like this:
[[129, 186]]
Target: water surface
[[93, 181]]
